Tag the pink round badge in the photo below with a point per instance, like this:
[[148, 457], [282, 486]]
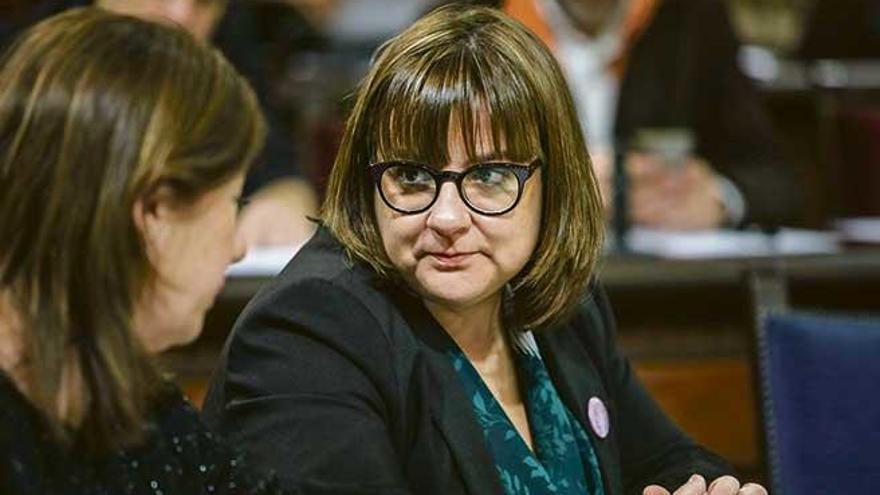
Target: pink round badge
[[598, 415]]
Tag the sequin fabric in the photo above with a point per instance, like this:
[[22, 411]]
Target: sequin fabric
[[180, 457]]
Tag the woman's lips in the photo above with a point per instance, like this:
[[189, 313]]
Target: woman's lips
[[450, 260]]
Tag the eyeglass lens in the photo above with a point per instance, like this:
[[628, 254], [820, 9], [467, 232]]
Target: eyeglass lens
[[486, 188]]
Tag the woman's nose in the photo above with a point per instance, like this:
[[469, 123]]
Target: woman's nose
[[239, 246], [449, 215]]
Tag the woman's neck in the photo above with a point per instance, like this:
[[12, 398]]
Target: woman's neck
[[479, 333], [476, 329]]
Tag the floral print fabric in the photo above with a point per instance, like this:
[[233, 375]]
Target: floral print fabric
[[563, 461]]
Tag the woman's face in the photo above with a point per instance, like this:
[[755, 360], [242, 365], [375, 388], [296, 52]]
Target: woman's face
[[452, 256], [190, 248]]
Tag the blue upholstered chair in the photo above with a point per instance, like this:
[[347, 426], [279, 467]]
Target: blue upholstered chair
[[821, 388]]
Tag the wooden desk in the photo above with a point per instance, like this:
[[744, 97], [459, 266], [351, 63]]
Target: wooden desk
[[686, 325]]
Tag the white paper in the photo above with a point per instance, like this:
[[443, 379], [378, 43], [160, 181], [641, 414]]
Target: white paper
[[859, 229], [731, 243], [263, 261]]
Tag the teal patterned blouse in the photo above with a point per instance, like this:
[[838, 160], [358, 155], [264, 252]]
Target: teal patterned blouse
[[564, 461]]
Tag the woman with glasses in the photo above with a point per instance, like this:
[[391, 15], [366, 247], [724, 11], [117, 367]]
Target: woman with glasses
[[123, 150], [441, 334]]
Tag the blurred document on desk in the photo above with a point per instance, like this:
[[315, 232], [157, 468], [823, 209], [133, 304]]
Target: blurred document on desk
[[731, 243], [860, 229], [263, 261]]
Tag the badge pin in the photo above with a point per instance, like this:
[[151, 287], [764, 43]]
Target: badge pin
[[598, 414]]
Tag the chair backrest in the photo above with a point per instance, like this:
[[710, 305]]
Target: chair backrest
[[820, 377]]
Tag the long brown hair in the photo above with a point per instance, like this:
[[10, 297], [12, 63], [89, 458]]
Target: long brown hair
[[459, 63], [97, 111]]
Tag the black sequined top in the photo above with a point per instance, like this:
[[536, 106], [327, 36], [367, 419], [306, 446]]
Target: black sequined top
[[180, 456]]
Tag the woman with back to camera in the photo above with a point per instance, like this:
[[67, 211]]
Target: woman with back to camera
[[123, 148], [441, 334]]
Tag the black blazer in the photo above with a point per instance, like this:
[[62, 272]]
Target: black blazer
[[682, 72], [340, 383]]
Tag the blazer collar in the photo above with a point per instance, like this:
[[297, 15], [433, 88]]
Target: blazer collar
[[578, 382], [451, 409]]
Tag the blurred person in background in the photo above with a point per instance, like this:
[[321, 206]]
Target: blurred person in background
[[443, 332], [279, 199], [659, 79], [124, 146]]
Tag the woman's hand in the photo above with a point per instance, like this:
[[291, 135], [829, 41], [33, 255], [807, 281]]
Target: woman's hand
[[696, 485], [686, 197]]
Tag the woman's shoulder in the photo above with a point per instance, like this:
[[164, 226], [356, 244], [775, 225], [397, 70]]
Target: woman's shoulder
[[21, 443], [322, 256], [323, 268], [184, 451], [178, 454], [323, 299], [16, 408], [182, 455], [593, 315], [322, 286], [590, 326]]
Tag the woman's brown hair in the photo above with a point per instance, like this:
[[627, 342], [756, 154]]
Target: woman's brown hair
[[466, 63], [97, 112]]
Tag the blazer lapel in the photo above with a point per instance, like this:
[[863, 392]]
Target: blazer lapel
[[451, 409], [578, 383], [455, 418]]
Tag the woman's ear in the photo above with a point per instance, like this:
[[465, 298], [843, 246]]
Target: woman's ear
[[153, 217]]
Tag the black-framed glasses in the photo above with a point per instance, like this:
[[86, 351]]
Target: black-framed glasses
[[491, 188]]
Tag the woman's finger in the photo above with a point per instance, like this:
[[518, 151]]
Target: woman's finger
[[725, 485], [696, 485], [752, 489], [655, 490]]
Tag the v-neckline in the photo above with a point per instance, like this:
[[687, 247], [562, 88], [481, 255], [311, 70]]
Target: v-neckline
[[484, 388], [519, 382], [454, 411], [518, 461]]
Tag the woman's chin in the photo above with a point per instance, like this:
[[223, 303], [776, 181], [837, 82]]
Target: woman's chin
[[454, 294], [162, 339], [192, 333]]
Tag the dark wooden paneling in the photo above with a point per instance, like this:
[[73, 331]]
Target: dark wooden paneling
[[713, 400]]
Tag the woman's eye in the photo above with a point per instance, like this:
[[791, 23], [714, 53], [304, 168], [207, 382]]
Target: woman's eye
[[411, 176], [489, 176]]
